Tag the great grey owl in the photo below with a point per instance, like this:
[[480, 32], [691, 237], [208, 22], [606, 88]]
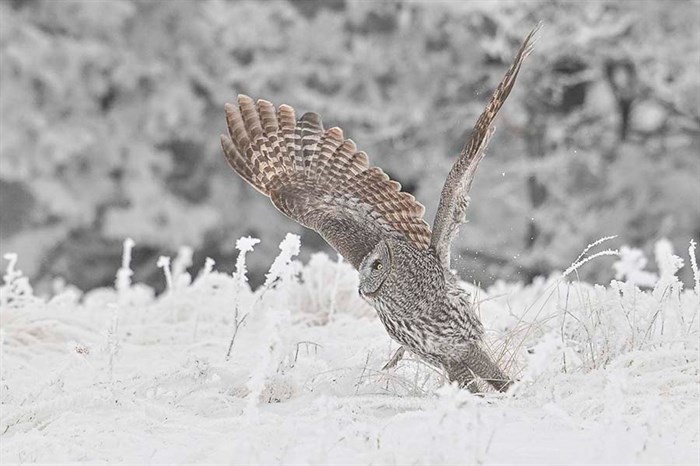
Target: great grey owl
[[319, 179]]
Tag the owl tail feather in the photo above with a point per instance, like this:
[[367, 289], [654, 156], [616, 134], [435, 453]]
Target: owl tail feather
[[473, 364]]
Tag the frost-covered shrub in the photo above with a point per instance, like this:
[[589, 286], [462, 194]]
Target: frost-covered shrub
[[327, 287], [613, 364], [582, 327]]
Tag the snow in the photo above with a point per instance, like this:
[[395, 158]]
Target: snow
[[608, 374], [631, 267]]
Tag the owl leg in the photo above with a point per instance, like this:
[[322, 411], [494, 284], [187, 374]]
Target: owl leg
[[464, 376], [475, 362], [398, 355], [487, 369]]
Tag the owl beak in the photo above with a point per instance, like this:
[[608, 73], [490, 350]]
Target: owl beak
[[366, 294]]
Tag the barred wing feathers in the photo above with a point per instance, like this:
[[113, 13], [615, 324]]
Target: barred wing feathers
[[455, 193], [319, 179]]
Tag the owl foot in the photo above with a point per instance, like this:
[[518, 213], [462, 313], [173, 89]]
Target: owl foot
[[398, 355]]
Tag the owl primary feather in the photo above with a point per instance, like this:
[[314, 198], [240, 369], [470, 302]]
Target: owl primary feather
[[319, 178]]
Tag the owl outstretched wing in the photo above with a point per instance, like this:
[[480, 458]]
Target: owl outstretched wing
[[319, 179], [455, 193]]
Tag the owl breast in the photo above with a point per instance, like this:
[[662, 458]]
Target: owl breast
[[421, 307], [412, 292]]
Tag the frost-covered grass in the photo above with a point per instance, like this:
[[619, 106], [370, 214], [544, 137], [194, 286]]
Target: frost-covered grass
[[211, 372]]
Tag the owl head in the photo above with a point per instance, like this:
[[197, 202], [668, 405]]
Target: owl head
[[374, 269]]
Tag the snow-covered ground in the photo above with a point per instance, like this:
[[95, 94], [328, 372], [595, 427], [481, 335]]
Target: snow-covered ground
[[608, 374]]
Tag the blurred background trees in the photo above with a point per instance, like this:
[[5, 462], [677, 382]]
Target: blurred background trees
[[110, 113]]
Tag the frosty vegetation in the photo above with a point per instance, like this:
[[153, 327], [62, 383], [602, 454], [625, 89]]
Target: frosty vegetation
[[212, 372], [124, 100]]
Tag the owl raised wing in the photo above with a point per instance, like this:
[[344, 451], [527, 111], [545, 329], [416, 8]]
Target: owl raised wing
[[454, 198], [319, 179]]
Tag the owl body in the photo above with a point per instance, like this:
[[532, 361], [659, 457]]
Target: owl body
[[319, 179], [419, 303]]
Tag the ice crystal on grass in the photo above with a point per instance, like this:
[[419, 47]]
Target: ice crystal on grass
[[583, 258], [182, 262], [281, 267], [209, 264], [631, 267], [123, 280], [164, 263], [667, 262], [244, 246], [16, 290], [694, 266]]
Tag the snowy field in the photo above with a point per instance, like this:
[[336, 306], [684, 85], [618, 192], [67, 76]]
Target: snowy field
[[608, 374]]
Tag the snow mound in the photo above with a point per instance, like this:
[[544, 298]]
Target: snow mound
[[212, 372]]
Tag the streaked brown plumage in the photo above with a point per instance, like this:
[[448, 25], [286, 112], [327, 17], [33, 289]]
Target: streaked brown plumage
[[319, 179]]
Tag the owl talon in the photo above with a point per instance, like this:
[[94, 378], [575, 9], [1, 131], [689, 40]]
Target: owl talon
[[398, 355]]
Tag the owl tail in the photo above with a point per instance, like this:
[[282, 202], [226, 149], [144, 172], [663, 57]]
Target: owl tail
[[269, 148], [475, 363]]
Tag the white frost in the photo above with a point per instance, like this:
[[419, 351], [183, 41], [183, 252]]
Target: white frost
[[608, 375], [631, 267]]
